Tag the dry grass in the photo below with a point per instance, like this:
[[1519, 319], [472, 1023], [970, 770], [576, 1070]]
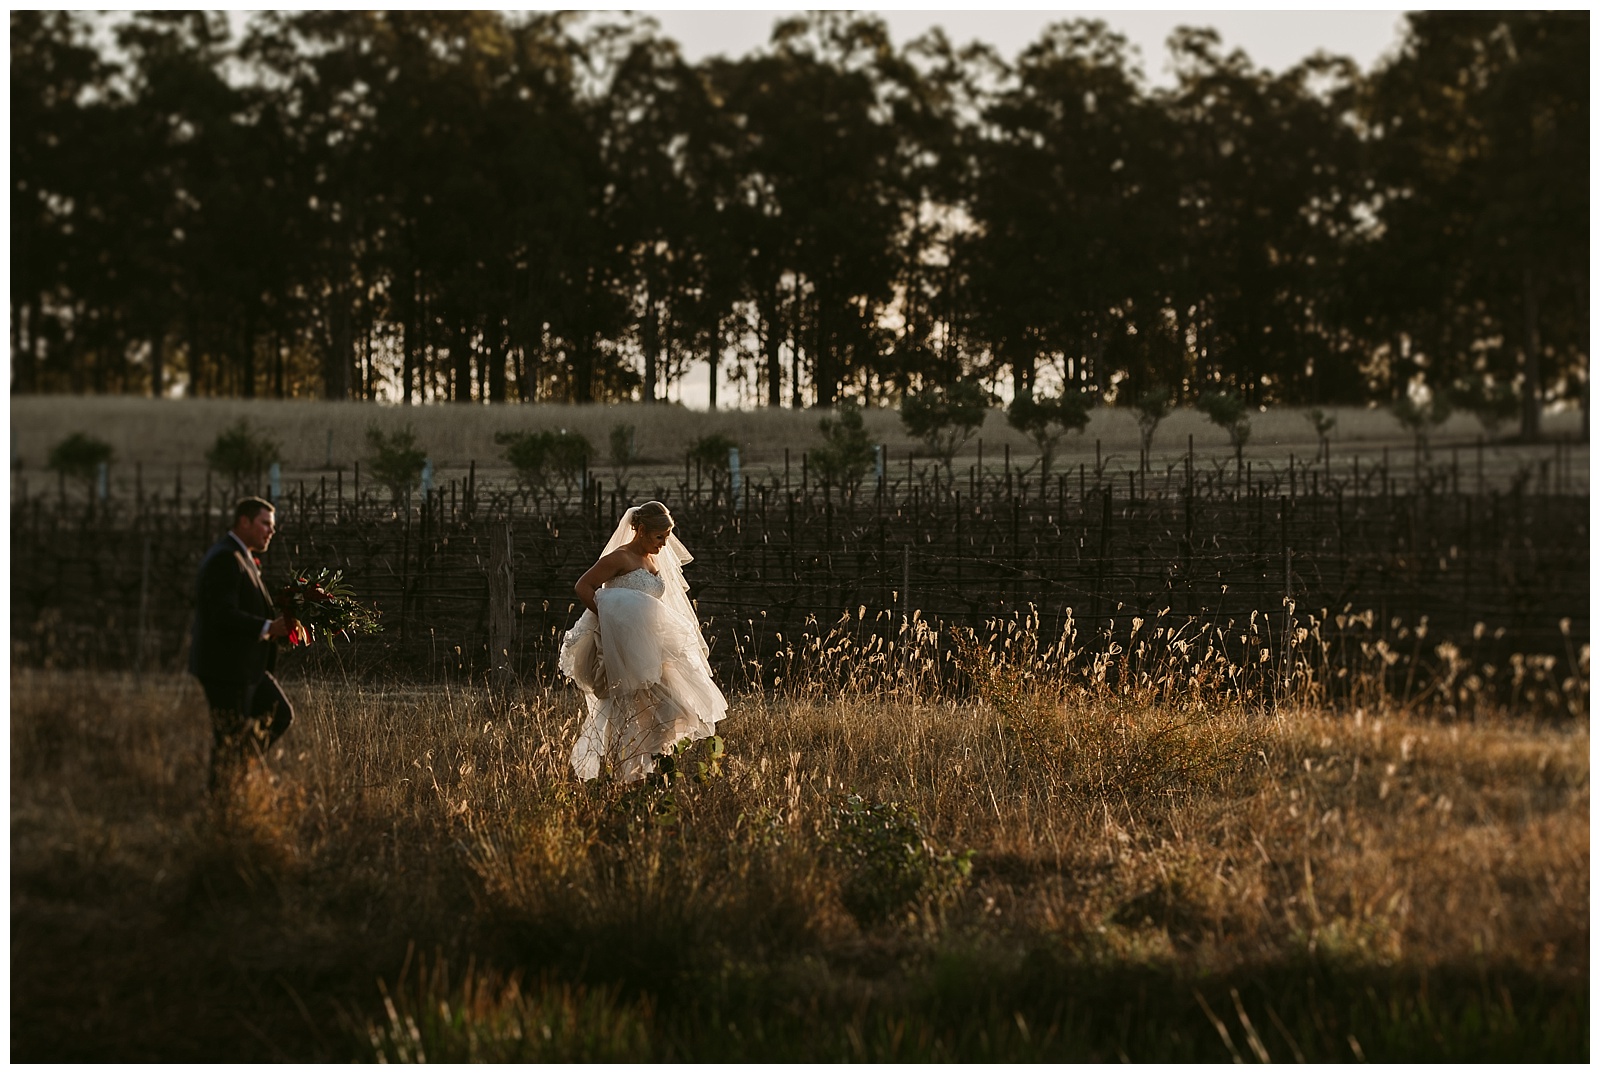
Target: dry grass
[[1188, 878], [161, 434]]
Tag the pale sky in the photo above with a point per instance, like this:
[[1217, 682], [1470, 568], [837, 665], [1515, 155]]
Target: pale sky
[[1275, 40]]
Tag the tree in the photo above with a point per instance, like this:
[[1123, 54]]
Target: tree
[[1073, 212], [846, 453], [1479, 134], [1150, 409], [623, 454], [1420, 417], [396, 460], [1231, 414], [543, 459], [1323, 423], [239, 452], [80, 457], [1046, 421], [945, 418], [1493, 404]]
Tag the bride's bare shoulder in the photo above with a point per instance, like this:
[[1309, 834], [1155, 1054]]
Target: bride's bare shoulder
[[620, 560]]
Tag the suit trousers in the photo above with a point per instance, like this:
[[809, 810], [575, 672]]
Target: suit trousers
[[246, 718]]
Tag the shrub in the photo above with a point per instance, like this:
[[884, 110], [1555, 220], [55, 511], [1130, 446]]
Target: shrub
[[239, 452], [1232, 414], [846, 454], [1150, 409], [1323, 424], [890, 862], [1492, 403], [711, 452], [1046, 421], [623, 455], [945, 418], [545, 459], [79, 457], [396, 461], [1420, 418]]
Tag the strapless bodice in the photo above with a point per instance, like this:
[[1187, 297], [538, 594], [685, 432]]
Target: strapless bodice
[[642, 580]]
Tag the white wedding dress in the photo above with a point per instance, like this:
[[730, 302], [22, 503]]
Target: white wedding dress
[[642, 668]]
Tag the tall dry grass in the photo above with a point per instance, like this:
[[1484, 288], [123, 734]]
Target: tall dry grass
[[1153, 875]]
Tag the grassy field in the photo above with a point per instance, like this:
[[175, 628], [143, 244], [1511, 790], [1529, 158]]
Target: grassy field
[[162, 434], [1043, 870]]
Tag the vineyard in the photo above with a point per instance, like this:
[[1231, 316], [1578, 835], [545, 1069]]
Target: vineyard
[[474, 578]]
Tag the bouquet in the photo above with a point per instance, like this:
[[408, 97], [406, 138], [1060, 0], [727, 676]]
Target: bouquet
[[324, 601]]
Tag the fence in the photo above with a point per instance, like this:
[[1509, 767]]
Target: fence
[[111, 584]]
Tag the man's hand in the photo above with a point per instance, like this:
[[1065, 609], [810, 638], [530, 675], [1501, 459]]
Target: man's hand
[[280, 628]]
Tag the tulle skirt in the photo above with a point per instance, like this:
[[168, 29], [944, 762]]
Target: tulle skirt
[[645, 682]]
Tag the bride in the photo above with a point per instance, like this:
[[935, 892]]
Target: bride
[[637, 652]]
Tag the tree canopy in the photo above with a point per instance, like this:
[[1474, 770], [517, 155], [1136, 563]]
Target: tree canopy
[[485, 206]]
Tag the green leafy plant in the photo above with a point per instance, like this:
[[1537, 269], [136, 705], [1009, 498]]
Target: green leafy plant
[[1421, 417], [1232, 414], [846, 454], [546, 459], [623, 454], [889, 861], [79, 458], [1046, 421], [240, 452], [396, 461], [1494, 404], [711, 452], [1323, 423], [944, 419], [1150, 409]]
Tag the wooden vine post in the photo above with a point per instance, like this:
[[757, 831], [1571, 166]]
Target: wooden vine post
[[502, 605]]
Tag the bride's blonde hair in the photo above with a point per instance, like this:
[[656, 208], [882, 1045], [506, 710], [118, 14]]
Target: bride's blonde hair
[[652, 517]]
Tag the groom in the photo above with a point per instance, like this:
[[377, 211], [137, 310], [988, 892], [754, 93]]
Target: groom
[[235, 642]]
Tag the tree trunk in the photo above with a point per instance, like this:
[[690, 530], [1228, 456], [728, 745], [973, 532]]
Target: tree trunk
[[247, 361], [824, 372], [796, 398], [494, 352], [279, 373], [583, 370], [1531, 386], [772, 341], [336, 354], [158, 364], [461, 352], [1580, 280], [1022, 371], [713, 359], [651, 329], [410, 344]]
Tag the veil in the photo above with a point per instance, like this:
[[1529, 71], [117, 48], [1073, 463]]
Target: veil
[[670, 561]]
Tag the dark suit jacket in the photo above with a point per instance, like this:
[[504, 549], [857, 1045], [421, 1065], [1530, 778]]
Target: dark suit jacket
[[231, 607]]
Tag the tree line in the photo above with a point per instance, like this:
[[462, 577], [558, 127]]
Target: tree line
[[484, 206]]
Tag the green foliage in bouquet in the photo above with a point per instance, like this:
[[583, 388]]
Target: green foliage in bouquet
[[323, 601]]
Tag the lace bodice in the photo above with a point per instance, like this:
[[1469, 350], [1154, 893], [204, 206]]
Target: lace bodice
[[642, 580]]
